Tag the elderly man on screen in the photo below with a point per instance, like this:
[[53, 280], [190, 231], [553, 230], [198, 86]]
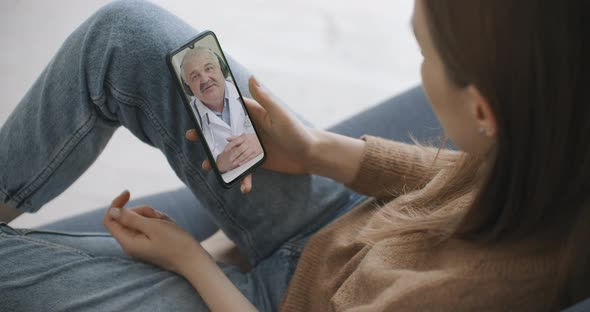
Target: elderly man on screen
[[217, 103]]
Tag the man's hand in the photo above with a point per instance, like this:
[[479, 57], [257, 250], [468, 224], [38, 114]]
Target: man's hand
[[238, 151], [149, 235], [251, 147], [246, 184]]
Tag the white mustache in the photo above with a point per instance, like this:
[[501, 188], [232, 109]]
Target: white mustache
[[207, 85]]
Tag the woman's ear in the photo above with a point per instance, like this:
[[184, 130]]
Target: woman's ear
[[482, 112]]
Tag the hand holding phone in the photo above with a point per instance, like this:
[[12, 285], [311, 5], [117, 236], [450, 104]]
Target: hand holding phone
[[287, 142]]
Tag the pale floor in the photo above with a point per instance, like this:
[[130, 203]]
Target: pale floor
[[328, 59]]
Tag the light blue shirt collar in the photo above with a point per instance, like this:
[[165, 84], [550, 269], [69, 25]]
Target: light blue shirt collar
[[224, 115]]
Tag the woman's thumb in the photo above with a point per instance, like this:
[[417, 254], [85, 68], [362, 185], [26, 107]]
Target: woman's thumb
[[262, 96]]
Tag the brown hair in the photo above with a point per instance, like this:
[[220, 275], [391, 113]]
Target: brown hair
[[528, 59]]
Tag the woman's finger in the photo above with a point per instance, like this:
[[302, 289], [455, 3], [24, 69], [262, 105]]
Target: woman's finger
[[121, 200], [264, 98], [206, 164], [118, 202], [191, 135], [130, 219], [246, 185], [167, 217], [257, 112], [146, 211], [150, 212], [124, 235]]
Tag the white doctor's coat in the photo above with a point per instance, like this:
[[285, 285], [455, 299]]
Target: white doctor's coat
[[215, 130]]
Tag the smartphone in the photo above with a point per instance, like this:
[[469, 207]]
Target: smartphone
[[215, 104]]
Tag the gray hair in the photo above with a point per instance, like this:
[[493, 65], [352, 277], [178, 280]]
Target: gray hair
[[196, 51]]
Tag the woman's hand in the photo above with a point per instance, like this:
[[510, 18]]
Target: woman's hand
[[149, 235], [287, 142]]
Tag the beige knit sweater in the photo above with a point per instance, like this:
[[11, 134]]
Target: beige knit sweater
[[338, 273]]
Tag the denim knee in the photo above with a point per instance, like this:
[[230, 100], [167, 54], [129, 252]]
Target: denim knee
[[135, 37], [136, 24], [126, 11]]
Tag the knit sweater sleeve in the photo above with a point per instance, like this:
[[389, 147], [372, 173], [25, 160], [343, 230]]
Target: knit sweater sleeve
[[389, 168]]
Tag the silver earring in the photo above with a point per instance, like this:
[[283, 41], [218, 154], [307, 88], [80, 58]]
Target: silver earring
[[482, 130]]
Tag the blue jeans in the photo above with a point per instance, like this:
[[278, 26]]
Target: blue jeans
[[110, 72]]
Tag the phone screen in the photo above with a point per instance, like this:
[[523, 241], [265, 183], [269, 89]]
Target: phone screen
[[217, 107]]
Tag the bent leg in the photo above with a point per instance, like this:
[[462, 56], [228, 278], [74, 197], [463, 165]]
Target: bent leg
[[399, 118], [111, 71]]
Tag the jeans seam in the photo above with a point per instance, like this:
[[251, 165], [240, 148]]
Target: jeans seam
[[61, 233], [292, 248], [4, 193], [98, 101], [47, 244], [50, 168], [127, 99]]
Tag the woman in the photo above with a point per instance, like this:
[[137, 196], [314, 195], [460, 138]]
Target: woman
[[498, 226]]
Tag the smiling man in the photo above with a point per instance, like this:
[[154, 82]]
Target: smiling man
[[217, 103]]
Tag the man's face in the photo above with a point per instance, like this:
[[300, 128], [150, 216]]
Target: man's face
[[204, 77]]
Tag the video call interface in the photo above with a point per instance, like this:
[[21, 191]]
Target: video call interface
[[218, 107]]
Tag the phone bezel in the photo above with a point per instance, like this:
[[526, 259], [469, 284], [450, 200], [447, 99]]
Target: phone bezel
[[186, 102]]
